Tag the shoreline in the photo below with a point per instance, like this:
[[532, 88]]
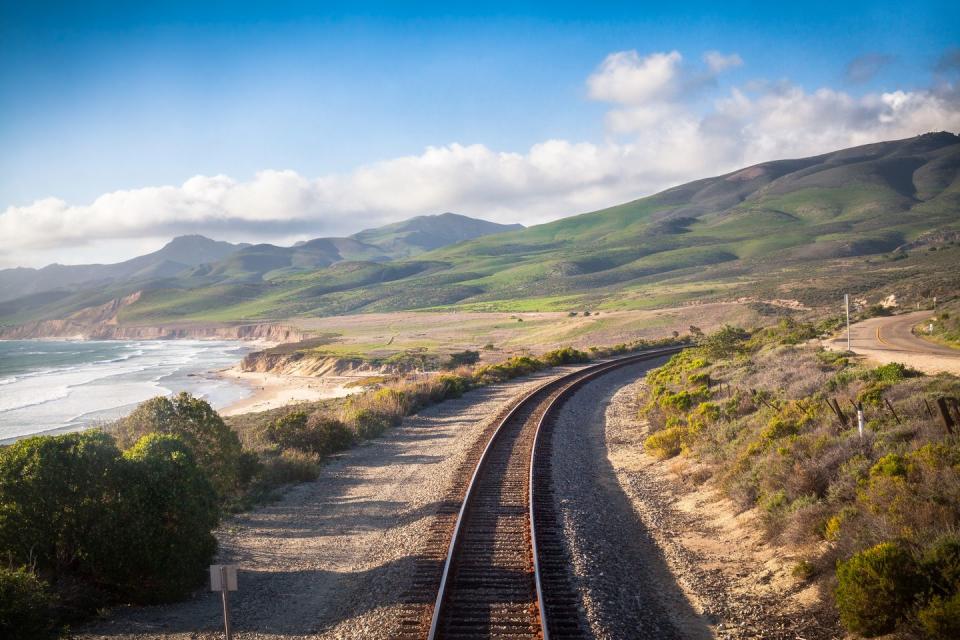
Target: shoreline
[[272, 391]]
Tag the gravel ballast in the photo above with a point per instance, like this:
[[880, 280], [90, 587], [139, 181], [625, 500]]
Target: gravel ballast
[[654, 557], [334, 557]]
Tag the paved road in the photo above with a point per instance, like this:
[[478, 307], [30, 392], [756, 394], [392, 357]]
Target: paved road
[[890, 339]]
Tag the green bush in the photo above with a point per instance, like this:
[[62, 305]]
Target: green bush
[[316, 433], [567, 355], [290, 431], [100, 524], [57, 496], [328, 434], [215, 446], [169, 511], [25, 606], [941, 565], [940, 617], [366, 423], [725, 342], [876, 589], [892, 372]]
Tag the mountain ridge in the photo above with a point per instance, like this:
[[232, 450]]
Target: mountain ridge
[[784, 227]]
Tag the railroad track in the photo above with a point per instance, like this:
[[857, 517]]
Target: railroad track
[[495, 564]]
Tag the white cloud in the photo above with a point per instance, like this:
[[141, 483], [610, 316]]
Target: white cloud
[[627, 78], [658, 140], [718, 62]]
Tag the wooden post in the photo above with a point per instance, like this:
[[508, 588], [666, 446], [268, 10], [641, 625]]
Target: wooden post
[[929, 410], [948, 421], [839, 411], [955, 404], [895, 416]]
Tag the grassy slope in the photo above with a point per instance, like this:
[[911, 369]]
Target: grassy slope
[[774, 230]]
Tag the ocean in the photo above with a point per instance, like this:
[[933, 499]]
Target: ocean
[[50, 386]]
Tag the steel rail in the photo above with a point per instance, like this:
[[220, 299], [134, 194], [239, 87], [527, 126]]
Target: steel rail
[[568, 383]]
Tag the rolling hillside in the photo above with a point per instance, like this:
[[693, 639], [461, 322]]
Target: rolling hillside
[[176, 256], [787, 229]]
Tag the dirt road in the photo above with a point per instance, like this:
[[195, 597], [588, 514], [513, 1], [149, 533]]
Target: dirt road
[[890, 339]]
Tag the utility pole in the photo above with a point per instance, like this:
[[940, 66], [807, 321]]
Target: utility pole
[[846, 303]]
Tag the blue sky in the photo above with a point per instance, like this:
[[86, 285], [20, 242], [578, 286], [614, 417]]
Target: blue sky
[[98, 97]]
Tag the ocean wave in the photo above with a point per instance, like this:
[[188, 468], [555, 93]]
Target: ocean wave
[[52, 394]]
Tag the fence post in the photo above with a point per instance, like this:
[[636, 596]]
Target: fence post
[[945, 414]]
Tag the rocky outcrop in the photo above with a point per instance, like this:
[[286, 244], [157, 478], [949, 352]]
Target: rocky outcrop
[[301, 363]]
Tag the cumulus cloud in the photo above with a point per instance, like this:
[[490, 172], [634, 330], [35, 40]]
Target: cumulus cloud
[[865, 68], [657, 139]]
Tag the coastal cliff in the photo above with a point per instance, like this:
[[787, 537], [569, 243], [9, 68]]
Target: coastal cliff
[[305, 364], [72, 328]]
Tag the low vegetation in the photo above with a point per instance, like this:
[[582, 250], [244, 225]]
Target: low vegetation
[[84, 524], [126, 514], [773, 421], [946, 325]]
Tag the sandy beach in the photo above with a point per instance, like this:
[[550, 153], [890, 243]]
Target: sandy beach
[[270, 390]]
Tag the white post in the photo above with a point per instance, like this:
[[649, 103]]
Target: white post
[[860, 421], [846, 303]]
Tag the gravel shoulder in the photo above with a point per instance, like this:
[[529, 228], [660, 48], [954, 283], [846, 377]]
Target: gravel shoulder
[[656, 554], [334, 557]]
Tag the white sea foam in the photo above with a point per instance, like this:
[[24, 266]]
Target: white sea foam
[[73, 395]]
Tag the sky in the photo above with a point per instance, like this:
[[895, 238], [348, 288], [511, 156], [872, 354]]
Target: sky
[[123, 125]]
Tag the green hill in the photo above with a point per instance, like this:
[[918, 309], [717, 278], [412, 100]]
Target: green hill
[[797, 229]]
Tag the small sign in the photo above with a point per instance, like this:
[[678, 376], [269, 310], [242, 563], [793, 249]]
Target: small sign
[[220, 571]]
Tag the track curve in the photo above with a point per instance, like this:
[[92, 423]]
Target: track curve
[[505, 574]]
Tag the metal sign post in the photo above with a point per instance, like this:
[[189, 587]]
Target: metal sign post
[[223, 578]]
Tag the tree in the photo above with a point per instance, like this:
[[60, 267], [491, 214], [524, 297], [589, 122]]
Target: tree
[[215, 446]]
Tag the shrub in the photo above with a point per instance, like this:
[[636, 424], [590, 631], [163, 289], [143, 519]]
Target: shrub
[[876, 588], [290, 432], [567, 355], [452, 385], [366, 423], [25, 606], [665, 443], [725, 342], [215, 446], [169, 511], [940, 617], [57, 494], [289, 467], [805, 570], [941, 565], [462, 358], [893, 372], [136, 525], [328, 435]]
